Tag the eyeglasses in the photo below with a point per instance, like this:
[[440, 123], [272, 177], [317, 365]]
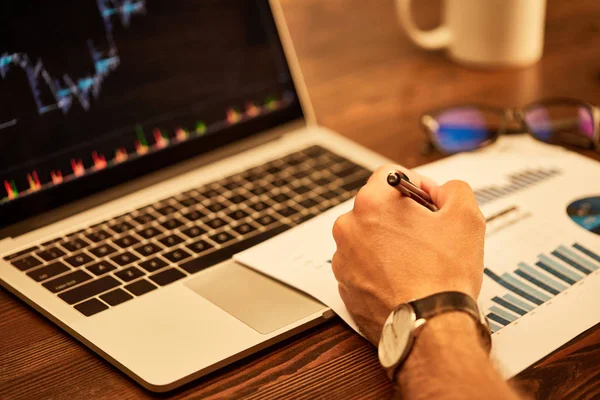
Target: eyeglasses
[[566, 122]]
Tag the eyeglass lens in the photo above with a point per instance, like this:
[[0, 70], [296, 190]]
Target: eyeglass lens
[[465, 128], [558, 123]]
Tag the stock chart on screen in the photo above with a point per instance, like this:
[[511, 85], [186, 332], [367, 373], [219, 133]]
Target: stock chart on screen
[[89, 84]]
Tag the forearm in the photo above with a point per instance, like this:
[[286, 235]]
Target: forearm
[[448, 362]]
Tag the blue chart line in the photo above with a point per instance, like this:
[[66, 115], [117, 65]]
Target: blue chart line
[[65, 90], [531, 285]]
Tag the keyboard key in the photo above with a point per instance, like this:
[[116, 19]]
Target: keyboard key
[[259, 206], [167, 276], [194, 215], [171, 224], [303, 218], [244, 228], [308, 203], [121, 227], [330, 195], [144, 218], [287, 211], [171, 240], [225, 253], [176, 255], [102, 250], [116, 297], [79, 259], [314, 151], [100, 268], [230, 184], [50, 254], [91, 307], [266, 220], [258, 190], [237, 215], [49, 242], [140, 287], [129, 274], [216, 207], [236, 198], [302, 189], [98, 236], [126, 241], [273, 169], [153, 264], [215, 223], [26, 263], [43, 273], [88, 290], [189, 201], [280, 198], [347, 171], [148, 249], [193, 232], [209, 193], [21, 253], [167, 209], [199, 246], [149, 232], [74, 245], [222, 237], [124, 259], [279, 182], [322, 181], [67, 281]]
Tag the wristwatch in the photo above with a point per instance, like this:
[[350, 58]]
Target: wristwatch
[[404, 323]]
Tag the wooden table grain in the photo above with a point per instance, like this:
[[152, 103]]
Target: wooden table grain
[[368, 82]]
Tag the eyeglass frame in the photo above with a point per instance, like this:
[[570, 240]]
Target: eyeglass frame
[[514, 114]]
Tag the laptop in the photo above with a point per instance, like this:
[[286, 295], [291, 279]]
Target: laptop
[[145, 143]]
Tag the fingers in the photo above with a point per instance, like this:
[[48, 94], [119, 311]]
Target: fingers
[[378, 194], [457, 198]]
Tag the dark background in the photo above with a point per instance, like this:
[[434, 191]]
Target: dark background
[[181, 62]]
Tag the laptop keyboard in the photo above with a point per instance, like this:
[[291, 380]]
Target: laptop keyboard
[[128, 256]]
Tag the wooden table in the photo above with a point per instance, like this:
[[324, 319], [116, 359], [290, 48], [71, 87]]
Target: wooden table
[[368, 82]]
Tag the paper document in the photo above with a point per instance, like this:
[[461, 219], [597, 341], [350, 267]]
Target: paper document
[[541, 283]]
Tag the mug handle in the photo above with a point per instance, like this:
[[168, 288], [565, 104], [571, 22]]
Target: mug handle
[[434, 39]]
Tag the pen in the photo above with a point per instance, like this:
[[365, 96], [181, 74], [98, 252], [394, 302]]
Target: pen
[[401, 183]]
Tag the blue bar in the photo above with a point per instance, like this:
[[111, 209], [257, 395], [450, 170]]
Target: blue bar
[[556, 274], [498, 318], [512, 288], [578, 258], [587, 252], [560, 268], [544, 278], [508, 305], [516, 300], [494, 326], [503, 313], [572, 263], [536, 282], [534, 292]]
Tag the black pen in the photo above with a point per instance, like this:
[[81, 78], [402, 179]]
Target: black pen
[[401, 183]]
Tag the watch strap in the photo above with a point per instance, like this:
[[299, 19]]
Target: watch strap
[[439, 303]]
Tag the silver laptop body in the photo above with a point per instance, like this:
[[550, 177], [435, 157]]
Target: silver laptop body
[[195, 319]]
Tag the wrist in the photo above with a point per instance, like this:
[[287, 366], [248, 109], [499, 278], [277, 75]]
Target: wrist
[[442, 340]]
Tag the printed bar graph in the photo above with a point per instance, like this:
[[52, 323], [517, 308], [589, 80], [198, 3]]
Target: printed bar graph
[[529, 287], [516, 182]]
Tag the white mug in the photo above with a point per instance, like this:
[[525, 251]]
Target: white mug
[[486, 33]]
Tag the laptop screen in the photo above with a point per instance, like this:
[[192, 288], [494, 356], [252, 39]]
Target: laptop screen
[[94, 93]]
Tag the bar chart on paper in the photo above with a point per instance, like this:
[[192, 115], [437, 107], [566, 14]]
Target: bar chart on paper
[[533, 284]]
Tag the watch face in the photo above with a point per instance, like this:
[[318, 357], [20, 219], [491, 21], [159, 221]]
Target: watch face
[[396, 336]]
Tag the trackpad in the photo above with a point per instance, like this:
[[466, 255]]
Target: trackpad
[[259, 301]]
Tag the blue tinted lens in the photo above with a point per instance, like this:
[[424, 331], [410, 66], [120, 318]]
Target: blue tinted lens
[[559, 122], [462, 129]]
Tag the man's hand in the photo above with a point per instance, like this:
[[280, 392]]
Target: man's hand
[[391, 250]]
